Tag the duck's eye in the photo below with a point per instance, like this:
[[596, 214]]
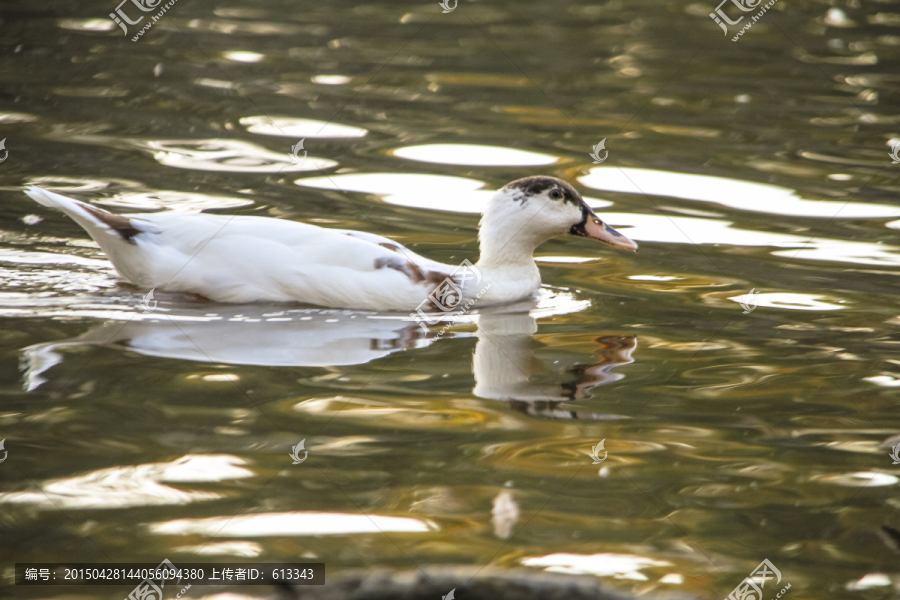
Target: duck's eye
[[555, 194]]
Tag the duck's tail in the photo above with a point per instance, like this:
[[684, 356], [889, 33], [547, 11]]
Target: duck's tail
[[103, 226], [117, 235]]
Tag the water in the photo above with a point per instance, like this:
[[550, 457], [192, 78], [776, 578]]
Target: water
[[730, 436]]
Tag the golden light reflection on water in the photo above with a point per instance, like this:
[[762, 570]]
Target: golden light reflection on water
[[256, 27], [232, 548], [470, 154], [292, 524], [292, 127], [87, 24], [789, 301], [243, 56], [71, 184], [141, 485], [331, 79], [389, 415], [173, 201], [888, 380], [417, 190], [231, 156], [859, 479], [742, 195], [440, 192], [620, 566], [478, 79], [686, 230], [391, 183]]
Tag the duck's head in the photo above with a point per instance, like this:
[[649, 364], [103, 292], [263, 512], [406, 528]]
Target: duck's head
[[541, 207]]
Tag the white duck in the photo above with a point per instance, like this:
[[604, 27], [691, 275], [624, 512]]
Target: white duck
[[249, 259]]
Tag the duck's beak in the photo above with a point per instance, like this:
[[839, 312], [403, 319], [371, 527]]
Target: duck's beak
[[592, 227]]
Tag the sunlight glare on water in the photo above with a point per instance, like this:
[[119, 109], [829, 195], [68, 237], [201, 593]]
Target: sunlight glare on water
[[470, 154]]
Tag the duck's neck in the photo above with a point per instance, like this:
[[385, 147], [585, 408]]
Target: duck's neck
[[505, 247]]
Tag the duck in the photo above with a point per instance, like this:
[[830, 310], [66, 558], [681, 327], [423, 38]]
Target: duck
[[246, 259]]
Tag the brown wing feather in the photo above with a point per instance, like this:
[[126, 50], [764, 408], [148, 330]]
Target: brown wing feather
[[121, 225]]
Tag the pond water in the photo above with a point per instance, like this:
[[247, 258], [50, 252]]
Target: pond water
[[742, 370]]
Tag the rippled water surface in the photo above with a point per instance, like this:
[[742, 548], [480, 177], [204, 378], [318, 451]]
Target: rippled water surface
[[737, 428]]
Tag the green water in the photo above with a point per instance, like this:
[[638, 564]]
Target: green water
[[732, 436]]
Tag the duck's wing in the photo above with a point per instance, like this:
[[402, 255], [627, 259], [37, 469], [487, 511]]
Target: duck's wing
[[240, 259], [416, 260]]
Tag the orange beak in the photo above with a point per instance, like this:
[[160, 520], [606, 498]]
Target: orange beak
[[592, 227]]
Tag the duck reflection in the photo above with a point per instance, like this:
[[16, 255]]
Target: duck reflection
[[505, 362], [503, 365], [297, 338]]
